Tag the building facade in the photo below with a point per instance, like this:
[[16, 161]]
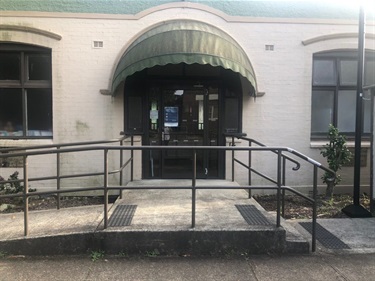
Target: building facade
[[182, 73]]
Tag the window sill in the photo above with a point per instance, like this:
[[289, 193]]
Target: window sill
[[320, 144], [24, 142]]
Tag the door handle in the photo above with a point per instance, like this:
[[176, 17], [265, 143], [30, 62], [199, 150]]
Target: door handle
[[206, 171]]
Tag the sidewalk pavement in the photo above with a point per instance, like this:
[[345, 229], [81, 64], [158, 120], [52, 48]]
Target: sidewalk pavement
[[357, 233], [319, 266]]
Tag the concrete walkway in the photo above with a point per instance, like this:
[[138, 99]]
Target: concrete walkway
[[51, 222], [157, 210], [160, 211], [358, 234], [355, 267]]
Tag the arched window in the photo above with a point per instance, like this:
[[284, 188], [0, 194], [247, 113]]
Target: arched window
[[25, 91], [334, 87]]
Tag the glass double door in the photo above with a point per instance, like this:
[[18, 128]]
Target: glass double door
[[182, 117]]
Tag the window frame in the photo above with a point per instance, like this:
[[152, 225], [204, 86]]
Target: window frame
[[337, 56], [25, 84]]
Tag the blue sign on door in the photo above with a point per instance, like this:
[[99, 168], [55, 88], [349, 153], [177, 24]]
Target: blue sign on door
[[171, 116]]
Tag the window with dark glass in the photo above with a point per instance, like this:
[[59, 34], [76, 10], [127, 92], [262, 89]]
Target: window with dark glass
[[25, 91], [334, 87]]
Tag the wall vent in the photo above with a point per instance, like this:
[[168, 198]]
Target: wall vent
[[97, 44], [270, 47]]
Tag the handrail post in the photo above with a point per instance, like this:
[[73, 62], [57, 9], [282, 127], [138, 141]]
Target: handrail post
[[58, 183], [193, 190], [283, 191], [132, 158], [121, 163], [315, 192], [25, 195], [249, 171], [233, 159], [105, 188], [278, 187]]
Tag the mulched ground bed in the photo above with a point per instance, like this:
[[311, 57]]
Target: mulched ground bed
[[299, 208], [295, 207]]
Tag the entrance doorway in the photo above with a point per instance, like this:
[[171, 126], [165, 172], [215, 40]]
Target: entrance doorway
[[196, 106], [158, 105], [183, 117]]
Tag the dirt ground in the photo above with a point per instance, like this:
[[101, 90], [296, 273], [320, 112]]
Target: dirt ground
[[299, 208], [45, 203]]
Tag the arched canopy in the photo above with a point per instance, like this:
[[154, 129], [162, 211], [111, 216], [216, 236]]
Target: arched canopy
[[183, 41]]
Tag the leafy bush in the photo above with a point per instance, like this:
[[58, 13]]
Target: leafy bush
[[337, 155], [11, 187]]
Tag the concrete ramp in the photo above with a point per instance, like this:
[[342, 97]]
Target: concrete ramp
[[158, 220], [225, 220]]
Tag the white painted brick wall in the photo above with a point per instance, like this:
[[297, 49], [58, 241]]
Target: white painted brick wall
[[281, 117]]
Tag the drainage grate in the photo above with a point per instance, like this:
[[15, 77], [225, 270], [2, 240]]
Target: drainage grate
[[252, 215], [122, 215], [326, 238]]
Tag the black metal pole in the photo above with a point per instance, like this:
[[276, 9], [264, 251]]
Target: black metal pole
[[372, 175], [356, 210], [359, 107]]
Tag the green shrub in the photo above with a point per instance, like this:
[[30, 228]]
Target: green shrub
[[337, 155], [12, 187]]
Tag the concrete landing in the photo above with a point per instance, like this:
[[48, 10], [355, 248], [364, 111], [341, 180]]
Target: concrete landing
[[162, 222], [172, 209]]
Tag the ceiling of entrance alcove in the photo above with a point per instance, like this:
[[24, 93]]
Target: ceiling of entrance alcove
[[183, 41]]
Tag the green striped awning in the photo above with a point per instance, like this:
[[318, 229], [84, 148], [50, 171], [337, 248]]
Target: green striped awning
[[183, 41]]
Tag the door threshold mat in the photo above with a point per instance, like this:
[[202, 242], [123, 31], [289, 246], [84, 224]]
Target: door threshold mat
[[122, 215], [326, 238], [252, 215]]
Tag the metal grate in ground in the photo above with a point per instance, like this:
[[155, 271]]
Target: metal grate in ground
[[326, 238], [122, 215], [252, 215]]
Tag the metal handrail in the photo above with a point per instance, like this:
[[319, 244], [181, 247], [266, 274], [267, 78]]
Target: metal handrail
[[106, 187], [59, 145], [243, 137], [281, 177], [5, 153], [251, 170], [262, 175]]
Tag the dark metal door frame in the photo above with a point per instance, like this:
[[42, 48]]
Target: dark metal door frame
[[146, 170]]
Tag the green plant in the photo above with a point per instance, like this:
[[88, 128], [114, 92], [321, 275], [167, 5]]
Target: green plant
[[337, 155], [123, 254], [330, 202], [3, 254], [97, 255], [12, 187], [153, 254]]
